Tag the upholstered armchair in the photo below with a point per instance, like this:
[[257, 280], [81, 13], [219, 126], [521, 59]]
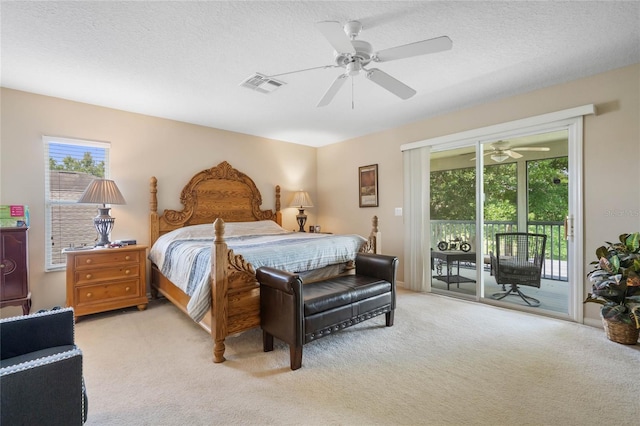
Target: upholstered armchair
[[41, 379]]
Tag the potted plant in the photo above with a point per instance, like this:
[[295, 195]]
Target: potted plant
[[616, 286]]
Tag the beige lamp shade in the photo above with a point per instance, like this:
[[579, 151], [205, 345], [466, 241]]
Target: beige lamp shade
[[301, 199], [102, 191]]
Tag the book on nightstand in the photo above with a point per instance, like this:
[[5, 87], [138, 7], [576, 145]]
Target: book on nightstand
[[14, 216]]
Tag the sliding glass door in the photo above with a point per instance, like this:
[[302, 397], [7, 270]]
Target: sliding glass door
[[526, 190], [453, 222], [482, 190]]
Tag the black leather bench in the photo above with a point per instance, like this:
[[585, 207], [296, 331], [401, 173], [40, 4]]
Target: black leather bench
[[298, 313]]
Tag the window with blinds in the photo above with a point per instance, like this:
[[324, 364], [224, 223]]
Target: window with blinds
[[70, 166]]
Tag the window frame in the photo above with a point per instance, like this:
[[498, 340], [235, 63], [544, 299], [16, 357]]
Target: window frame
[[50, 203]]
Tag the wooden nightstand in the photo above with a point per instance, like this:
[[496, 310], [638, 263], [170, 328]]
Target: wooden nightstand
[[103, 279]]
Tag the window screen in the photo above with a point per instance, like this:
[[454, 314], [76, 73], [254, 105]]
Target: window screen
[[70, 166]]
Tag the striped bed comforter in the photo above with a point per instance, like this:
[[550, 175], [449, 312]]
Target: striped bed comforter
[[184, 257]]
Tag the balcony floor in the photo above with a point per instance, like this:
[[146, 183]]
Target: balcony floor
[[552, 294]]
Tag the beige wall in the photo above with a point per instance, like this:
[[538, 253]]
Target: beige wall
[[611, 151], [142, 147], [611, 160]]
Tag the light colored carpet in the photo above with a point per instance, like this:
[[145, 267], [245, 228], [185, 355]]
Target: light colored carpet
[[444, 362]]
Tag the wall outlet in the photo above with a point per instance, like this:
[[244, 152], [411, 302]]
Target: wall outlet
[[398, 211]]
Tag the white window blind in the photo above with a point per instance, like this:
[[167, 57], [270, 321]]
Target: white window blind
[[70, 165]]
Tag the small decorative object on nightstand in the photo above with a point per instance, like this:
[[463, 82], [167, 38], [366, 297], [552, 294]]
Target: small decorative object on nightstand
[[103, 279]]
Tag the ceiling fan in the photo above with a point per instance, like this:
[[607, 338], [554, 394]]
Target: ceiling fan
[[355, 55], [501, 151]]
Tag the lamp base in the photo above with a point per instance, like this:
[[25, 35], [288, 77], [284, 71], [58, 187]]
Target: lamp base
[[302, 219], [104, 224]]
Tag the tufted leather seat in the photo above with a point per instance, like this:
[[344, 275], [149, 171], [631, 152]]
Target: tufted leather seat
[[298, 313]]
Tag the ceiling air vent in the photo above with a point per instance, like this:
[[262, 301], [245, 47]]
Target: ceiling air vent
[[261, 83]]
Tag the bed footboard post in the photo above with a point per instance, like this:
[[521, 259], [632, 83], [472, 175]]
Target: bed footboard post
[[376, 235], [373, 244], [278, 212], [219, 286], [154, 230]]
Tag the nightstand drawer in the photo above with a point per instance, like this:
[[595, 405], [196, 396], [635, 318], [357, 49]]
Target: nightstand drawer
[[105, 274], [105, 292], [106, 258]]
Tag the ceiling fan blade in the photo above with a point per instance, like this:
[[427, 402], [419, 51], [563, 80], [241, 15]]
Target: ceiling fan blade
[[334, 33], [532, 148], [333, 89], [512, 154], [423, 47], [384, 80]]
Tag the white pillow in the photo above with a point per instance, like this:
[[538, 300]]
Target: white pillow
[[231, 229], [259, 227]]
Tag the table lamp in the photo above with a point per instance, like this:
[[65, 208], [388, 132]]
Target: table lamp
[[102, 191], [301, 200]]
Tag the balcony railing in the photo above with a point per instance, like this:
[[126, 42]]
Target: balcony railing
[[555, 267]]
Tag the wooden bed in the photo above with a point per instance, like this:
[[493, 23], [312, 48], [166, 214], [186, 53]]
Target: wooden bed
[[216, 195]]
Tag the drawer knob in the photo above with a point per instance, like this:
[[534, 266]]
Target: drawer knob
[[127, 288], [89, 294], [127, 257], [127, 272], [88, 261], [89, 276]]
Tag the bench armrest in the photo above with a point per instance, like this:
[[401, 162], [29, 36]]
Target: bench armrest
[[378, 266], [281, 304], [279, 280]]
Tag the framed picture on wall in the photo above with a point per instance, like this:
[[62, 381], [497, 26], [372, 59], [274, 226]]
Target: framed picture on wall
[[368, 185]]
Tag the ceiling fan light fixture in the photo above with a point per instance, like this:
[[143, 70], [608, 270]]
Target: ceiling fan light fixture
[[499, 157], [353, 68]]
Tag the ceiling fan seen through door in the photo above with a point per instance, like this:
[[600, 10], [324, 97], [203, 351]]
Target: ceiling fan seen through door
[[354, 56], [501, 151]]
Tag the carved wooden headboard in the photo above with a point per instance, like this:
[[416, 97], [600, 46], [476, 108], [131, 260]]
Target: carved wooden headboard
[[219, 192]]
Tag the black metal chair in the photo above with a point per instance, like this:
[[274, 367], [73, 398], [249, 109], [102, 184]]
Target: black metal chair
[[518, 261]]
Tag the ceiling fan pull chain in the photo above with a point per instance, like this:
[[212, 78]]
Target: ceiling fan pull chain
[[352, 103]]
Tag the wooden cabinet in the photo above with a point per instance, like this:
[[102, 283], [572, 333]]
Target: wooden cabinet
[[14, 264], [103, 279]]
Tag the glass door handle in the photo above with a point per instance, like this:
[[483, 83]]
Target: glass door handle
[[568, 228]]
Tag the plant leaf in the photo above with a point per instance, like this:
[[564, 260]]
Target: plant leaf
[[601, 252], [633, 242], [633, 280], [614, 261], [618, 313], [635, 311], [615, 295]]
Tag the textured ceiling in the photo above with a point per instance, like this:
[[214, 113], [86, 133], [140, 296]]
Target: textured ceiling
[[185, 60]]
